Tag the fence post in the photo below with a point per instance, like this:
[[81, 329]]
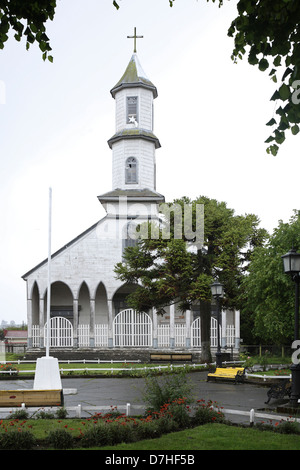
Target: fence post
[[128, 409], [252, 415], [78, 411]]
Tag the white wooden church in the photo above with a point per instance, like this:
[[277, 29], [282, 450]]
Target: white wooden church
[[88, 304]]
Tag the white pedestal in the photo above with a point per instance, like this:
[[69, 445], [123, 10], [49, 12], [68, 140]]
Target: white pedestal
[[47, 376]]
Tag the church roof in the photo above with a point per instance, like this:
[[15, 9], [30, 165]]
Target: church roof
[[134, 76], [83, 234], [132, 195], [135, 133]]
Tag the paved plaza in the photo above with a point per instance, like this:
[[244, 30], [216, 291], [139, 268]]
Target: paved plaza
[[119, 391]]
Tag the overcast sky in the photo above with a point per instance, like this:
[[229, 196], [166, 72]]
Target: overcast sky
[[55, 120]]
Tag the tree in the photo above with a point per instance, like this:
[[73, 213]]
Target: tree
[[27, 18], [268, 294], [167, 271], [268, 30]]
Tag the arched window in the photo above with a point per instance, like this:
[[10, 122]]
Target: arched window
[[131, 171]]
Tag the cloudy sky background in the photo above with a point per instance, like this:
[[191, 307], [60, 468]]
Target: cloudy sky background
[[55, 120]]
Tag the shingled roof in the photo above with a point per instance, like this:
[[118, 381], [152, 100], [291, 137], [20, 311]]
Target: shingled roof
[[134, 76]]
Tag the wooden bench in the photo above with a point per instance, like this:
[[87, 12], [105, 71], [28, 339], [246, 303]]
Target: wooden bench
[[31, 397], [279, 390], [236, 374], [171, 357]]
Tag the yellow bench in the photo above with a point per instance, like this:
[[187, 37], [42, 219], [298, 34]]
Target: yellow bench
[[31, 397], [227, 373]]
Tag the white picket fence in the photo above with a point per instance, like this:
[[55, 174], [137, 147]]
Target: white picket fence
[[130, 329]]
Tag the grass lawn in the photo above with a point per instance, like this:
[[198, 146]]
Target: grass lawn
[[85, 369], [212, 436], [216, 437]]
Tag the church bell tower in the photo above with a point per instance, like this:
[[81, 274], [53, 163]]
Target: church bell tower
[[133, 144]]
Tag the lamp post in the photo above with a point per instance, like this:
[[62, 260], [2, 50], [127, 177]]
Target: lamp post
[[217, 293], [291, 266]]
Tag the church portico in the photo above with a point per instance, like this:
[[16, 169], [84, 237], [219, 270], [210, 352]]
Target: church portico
[[98, 322]]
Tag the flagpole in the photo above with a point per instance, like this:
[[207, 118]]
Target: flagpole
[[49, 275]]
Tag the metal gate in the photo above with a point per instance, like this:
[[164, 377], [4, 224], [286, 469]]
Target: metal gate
[[61, 332], [132, 329]]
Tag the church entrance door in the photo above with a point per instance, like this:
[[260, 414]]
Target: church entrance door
[[61, 332], [132, 329]]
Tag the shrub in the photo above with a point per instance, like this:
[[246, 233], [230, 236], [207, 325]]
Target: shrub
[[147, 430], [61, 413], [206, 413], [180, 412], [44, 415], [121, 432], [288, 427], [6, 368], [165, 389], [19, 414], [60, 439], [97, 436], [17, 440]]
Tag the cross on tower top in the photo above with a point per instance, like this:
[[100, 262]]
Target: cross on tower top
[[135, 38]]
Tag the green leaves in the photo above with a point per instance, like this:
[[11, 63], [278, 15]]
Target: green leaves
[[268, 292], [284, 92], [28, 20], [166, 271], [270, 31], [263, 65]]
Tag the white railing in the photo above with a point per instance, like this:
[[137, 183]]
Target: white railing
[[163, 336], [140, 334], [101, 336], [78, 411], [230, 335], [83, 336], [35, 331]]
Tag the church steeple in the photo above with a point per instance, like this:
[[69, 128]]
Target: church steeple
[[134, 76], [134, 144]]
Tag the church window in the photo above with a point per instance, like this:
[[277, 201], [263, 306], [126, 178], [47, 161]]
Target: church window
[[129, 235], [131, 175], [132, 110]]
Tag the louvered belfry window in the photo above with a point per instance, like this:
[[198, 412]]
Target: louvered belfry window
[[131, 171], [132, 109]]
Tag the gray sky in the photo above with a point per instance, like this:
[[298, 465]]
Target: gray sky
[[55, 120]]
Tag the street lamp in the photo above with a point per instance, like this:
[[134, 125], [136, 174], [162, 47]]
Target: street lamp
[[217, 293], [291, 266]]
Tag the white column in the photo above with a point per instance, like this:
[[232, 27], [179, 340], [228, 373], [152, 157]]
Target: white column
[[154, 321], [223, 331], [237, 328], [75, 321], [110, 323], [172, 326], [29, 322], [188, 329], [41, 322], [92, 322]]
